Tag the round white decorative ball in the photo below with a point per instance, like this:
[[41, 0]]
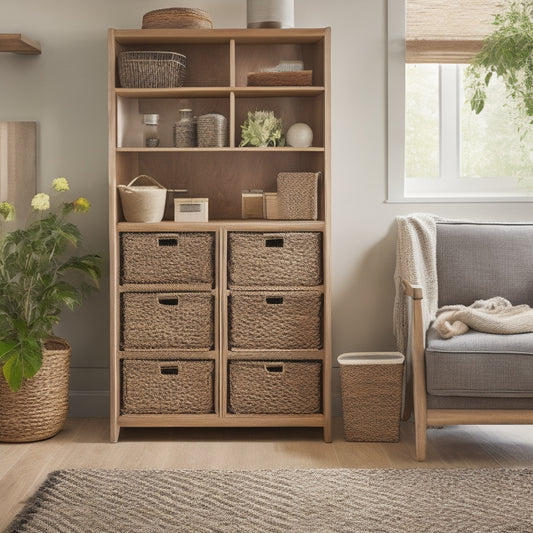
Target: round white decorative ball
[[299, 135]]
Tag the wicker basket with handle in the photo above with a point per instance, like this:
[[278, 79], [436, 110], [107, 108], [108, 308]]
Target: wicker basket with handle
[[275, 320], [184, 257], [275, 259], [179, 320], [164, 387], [275, 387]]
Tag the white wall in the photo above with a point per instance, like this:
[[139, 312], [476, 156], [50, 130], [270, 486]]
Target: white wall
[[65, 91]]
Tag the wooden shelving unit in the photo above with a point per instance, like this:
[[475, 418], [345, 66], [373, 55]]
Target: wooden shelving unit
[[17, 43], [218, 62]]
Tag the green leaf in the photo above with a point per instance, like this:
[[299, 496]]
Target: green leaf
[[13, 371], [6, 347]]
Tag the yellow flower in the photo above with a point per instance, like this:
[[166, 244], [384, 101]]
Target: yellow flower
[[7, 210], [81, 205], [41, 202], [60, 185]]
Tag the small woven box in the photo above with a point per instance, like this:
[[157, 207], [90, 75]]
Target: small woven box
[[298, 195]]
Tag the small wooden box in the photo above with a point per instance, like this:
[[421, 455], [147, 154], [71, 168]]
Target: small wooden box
[[252, 204], [271, 205], [191, 209]]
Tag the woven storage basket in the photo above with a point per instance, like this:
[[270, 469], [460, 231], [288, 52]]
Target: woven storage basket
[[275, 259], [212, 130], [181, 320], [281, 79], [38, 410], [164, 387], [280, 320], [275, 387], [143, 69], [371, 385], [143, 199], [186, 258], [298, 195], [177, 17]]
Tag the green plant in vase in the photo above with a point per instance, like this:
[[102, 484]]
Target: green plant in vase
[[262, 128], [38, 279], [508, 54]]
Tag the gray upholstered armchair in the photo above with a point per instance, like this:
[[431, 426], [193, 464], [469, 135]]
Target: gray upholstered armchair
[[476, 377]]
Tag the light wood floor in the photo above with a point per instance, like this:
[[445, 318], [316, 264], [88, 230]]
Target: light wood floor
[[84, 443]]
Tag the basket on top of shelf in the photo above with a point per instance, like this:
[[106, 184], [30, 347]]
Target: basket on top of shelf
[[177, 17], [146, 69]]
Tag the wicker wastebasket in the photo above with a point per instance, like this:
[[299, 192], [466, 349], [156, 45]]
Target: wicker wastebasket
[[371, 386]]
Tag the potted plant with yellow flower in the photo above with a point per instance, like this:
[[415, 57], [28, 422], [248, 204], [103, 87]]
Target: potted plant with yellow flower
[[39, 278]]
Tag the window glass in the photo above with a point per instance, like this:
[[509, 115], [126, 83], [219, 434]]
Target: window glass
[[422, 121], [490, 142]]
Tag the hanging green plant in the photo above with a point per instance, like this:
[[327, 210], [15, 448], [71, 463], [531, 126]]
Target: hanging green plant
[[262, 128], [508, 54]]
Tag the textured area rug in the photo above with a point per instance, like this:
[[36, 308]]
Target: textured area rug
[[303, 501]]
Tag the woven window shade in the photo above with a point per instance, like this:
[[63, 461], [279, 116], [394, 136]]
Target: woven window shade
[[450, 31]]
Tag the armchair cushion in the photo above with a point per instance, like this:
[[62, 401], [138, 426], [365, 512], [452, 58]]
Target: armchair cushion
[[480, 365], [478, 261]]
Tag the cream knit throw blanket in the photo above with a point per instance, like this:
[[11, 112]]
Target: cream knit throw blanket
[[416, 263], [495, 315]]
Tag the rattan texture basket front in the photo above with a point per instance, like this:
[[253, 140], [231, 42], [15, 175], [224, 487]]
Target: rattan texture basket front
[[372, 402], [180, 320], [298, 195], [275, 259], [145, 69], [275, 387], [187, 258], [166, 387], [38, 410], [275, 320]]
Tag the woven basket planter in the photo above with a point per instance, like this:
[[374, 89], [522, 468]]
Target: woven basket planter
[[275, 387], [187, 258], [280, 320], [182, 320], [166, 387], [275, 259], [38, 410]]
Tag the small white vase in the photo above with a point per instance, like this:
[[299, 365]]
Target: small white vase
[[270, 13], [299, 135]]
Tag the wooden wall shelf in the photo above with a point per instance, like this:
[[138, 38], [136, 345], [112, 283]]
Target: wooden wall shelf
[[16, 43]]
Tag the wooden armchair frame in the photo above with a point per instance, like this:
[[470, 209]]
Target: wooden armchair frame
[[425, 417]]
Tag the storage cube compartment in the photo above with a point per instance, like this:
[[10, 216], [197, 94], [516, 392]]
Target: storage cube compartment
[[275, 320], [167, 387], [275, 259], [275, 387], [187, 258], [180, 320]]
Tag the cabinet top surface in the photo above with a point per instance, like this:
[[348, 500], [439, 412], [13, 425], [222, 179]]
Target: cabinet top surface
[[243, 35]]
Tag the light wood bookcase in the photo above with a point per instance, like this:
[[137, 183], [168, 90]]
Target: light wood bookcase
[[218, 63]]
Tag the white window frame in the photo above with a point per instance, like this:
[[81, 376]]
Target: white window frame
[[449, 187]]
